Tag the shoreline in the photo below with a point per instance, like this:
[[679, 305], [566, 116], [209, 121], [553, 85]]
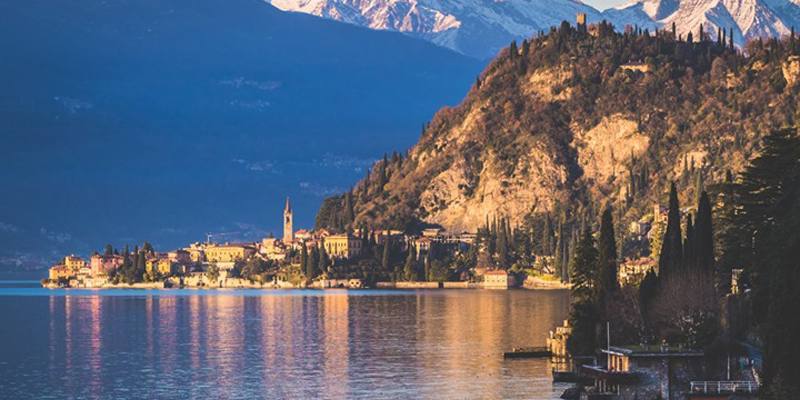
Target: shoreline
[[381, 286]]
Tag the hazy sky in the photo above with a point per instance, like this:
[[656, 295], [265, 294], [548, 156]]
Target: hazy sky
[[603, 4]]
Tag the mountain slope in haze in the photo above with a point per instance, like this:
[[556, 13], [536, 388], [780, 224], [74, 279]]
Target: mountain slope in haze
[[161, 120], [574, 122], [480, 28]]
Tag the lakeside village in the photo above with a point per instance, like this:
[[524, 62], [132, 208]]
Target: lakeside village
[[321, 259]]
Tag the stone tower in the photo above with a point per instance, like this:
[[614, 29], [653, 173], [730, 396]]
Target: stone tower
[[288, 232]]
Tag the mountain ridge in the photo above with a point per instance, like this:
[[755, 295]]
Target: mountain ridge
[[479, 29]]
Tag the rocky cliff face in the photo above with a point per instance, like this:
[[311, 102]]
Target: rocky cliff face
[[571, 122]]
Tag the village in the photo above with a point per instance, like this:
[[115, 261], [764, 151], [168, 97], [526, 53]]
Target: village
[[283, 263]]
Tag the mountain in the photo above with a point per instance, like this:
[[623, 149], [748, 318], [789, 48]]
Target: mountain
[[480, 28], [162, 120], [559, 129], [750, 19], [474, 27]]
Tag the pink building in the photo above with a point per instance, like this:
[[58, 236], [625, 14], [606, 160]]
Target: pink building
[[102, 265]]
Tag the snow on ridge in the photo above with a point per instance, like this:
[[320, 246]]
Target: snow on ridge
[[481, 27]]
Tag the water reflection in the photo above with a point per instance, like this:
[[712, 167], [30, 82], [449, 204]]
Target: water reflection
[[436, 344]]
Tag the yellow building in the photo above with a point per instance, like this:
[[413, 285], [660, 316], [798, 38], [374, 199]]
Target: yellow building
[[342, 246], [163, 265], [57, 272], [497, 279], [229, 252], [74, 263]]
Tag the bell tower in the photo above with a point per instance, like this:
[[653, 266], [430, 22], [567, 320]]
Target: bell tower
[[288, 232]]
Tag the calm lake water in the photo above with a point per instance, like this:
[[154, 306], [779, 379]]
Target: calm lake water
[[249, 344]]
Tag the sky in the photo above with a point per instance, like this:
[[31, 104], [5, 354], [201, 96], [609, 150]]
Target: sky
[[603, 4]]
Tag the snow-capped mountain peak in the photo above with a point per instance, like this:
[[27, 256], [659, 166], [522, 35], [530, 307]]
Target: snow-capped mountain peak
[[481, 27]]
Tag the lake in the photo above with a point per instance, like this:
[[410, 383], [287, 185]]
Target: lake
[[248, 344]]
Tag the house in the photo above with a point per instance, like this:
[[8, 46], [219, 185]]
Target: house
[[60, 271], [180, 256], [229, 252], [497, 279], [342, 246], [74, 263], [162, 264], [644, 372], [102, 264], [197, 252], [631, 272]]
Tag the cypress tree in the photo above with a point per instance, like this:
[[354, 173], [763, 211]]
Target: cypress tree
[[688, 245], [607, 257], [313, 262], [408, 270], [584, 312], [427, 268], [669, 259], [704, 235], [386, 254], [322, 261], [308, 269]]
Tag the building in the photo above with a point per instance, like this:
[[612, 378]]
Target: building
[[631, 272], [229, 252], [164, 265], [60, 271], [557, 341], [645, 372], [180, 256], [74, 263], [580, 18], [272, 249], [288, 232], [302, 235], [102, 264], [197, 252], [342, 246], [497, 279]]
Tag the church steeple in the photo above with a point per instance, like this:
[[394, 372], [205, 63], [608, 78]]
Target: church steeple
[[288, 232]]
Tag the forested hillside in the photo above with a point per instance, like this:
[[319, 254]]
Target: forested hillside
[[560, 126]]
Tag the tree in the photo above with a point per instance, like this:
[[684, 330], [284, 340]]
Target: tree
[[308, 268], [582, 265], [607, 258], [323, 261], [386, 256], [213, 272], [704, 235], [428, 267], [670, 257], [584, 312], [409, 270]]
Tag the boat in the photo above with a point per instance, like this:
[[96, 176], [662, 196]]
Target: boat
[[528, 352]]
